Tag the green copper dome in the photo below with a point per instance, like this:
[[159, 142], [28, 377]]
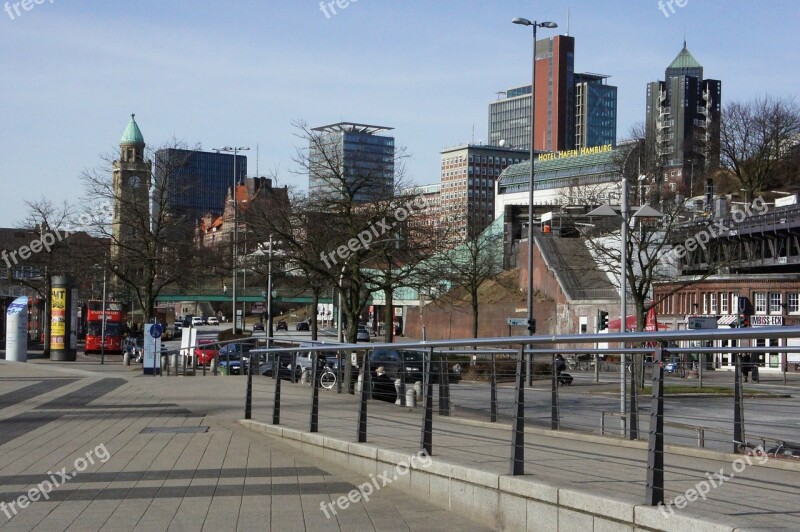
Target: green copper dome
[[685, 59], [132, 135]]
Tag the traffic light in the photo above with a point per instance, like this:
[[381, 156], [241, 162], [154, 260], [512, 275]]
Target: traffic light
[[532, 326], [602, 320], [744, 320]]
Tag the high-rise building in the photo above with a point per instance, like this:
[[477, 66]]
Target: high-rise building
[[595, 112], [572, 110], [683, 118], [351, 161], [198, 182], [469, 173]]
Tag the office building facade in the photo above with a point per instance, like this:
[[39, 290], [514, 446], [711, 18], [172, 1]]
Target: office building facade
[[468, 176], [572, 110], [683, 119], [198, 182], [351, 161]]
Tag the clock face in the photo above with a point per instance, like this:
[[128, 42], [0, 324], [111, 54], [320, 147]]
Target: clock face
[[135, 181]]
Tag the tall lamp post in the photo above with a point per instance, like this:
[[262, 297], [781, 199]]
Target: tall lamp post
[[531, 320], [234, 150]]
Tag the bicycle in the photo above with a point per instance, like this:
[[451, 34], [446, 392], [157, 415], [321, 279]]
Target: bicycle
[[328, 378]]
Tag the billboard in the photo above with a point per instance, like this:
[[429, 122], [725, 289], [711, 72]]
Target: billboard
[[58, 318]]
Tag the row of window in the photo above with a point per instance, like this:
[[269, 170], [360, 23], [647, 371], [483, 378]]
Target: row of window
[[728, 303]]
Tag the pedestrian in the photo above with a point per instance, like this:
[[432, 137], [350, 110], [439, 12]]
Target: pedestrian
[[744, 362], [754, 368], [382, 386]]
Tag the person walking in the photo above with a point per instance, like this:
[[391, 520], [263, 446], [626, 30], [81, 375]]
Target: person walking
[[744, 362]]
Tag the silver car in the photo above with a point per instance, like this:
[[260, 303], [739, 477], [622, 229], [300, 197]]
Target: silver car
[[363, 334]]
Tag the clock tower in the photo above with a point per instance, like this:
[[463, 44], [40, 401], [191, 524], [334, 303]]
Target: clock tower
[[131, 185]]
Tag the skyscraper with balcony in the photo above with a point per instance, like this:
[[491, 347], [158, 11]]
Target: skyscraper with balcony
[[350, 161], [683, 118]]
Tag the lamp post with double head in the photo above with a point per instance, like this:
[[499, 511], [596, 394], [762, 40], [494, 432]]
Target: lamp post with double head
[[531, 319], [234, 150]]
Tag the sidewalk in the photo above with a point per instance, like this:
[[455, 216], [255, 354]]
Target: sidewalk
[[105, 448]]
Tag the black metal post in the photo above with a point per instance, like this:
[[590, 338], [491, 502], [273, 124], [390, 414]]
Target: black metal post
[[293, 372], [493, 393], [339, 372], [248, 403], [738, 404], [444, 407], [518, 427], [314, 425], [426, 438], [554, 421], [276, 404], [633, 414], [655, 446], [401, 393], [362, 407]]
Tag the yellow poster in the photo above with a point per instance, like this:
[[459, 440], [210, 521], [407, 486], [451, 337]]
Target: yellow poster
[[58, 318]]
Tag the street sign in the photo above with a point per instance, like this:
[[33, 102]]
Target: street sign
[[156, 330], [702, 322], [517, 322]]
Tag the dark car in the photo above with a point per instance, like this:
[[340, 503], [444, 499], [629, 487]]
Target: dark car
[[284, 365], [231, 356], [302, 326], [392, 364], [258, 326], [282, 326]]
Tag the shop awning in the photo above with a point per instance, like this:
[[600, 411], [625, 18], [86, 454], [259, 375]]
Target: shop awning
[[727, 320]]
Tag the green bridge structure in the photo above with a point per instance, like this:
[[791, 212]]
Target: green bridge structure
[[250, 295]]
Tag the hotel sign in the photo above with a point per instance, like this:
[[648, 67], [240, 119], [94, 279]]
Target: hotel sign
[[575, 153]]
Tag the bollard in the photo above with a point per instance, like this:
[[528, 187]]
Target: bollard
[[126, 359], [164, 364], [173, 361], [194, 366], [398, 393], [183, 366], [360, 383], [418, 388], [411, 398], [213, 368]]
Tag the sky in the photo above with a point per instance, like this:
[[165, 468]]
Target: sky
[[242, 72]]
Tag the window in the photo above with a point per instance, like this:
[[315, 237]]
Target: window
[[723, 303], [793, 300], [775, 303], [705, 303], [734, 303], [713, 297], [761, 302]]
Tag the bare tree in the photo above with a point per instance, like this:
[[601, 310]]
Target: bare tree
[[756, 141], [471, 264], [152, 245]]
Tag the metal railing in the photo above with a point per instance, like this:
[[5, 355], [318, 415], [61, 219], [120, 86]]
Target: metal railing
[[520, 356]]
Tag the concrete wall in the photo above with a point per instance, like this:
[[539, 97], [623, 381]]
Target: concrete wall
[[500, 502]]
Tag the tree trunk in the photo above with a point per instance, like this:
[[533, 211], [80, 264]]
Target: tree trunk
[[388, 316], [474, 302], [315, 305]]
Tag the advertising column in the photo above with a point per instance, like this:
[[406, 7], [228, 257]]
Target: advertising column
[[61, 305], [17, 330]]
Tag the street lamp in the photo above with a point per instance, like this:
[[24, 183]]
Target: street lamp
[[531, 320], [645, 211], [234, 150]]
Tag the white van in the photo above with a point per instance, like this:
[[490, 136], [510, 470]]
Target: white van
[[196, 320]]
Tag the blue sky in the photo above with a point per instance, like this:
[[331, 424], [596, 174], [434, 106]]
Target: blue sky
[[240, 72]]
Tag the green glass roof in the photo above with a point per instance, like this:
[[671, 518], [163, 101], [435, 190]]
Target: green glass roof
[[685, 59], [132, 134]]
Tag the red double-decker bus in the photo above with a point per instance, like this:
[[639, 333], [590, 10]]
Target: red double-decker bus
[[115, 326]]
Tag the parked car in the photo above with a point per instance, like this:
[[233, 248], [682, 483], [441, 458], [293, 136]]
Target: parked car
[[413, 361], [205, 351], [282, 326], [363, 334], [197, 320], [302, 326], [259, 326], [285, 368], [212, 320]]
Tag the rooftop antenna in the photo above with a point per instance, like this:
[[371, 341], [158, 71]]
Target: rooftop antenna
[[569, 13]]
